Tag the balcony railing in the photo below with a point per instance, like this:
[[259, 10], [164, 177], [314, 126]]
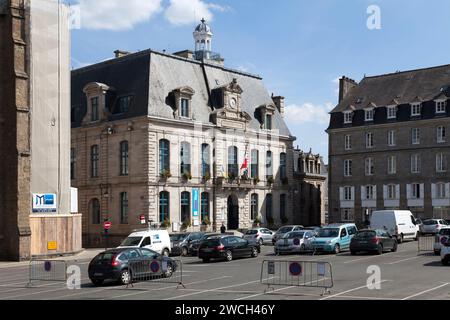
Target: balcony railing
[[207, 55]]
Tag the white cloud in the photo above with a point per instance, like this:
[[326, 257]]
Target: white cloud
[[308, 112], [182, 12], [116, 15]]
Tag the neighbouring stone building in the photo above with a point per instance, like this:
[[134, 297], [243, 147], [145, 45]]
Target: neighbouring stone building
[[388, 147], [35, 194], [180, 139]]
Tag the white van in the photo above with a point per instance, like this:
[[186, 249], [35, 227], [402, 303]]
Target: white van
[[399, 223], [156, 240]]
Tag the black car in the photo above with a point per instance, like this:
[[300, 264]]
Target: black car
[[195, 244], [181, 242], [113, 264], [228, 248], [376, 241]]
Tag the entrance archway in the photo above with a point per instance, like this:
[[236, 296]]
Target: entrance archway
[[233, 212]]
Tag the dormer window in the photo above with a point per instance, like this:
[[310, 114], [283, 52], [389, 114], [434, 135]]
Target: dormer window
[[441, 106], [416, 109], [124, 104], [266, 114], [183, 98], [392, 112], [348, 117], [268, 122], [94, 109], [184, 109], [96, 102], [368, 114]]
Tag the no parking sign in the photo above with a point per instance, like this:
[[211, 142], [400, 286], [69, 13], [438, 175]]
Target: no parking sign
[[295, 269], [154, 266]]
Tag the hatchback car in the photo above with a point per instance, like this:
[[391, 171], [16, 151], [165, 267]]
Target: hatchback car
[[433, 226], [376, 241], [113, 264], [283, 230], [228, 248], [195, 244], [180, 242], [445, 253], [440, 239], [295, 242], [260, 235], [334, 238]]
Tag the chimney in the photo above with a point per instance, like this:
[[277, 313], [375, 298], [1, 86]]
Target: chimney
[[279, 103], [187, 54], [121, 53], [345, 85]]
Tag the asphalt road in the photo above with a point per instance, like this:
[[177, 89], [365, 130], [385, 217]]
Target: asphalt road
[[405, 275]]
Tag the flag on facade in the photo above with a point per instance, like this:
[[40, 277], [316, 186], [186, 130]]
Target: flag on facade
[[244, 167]]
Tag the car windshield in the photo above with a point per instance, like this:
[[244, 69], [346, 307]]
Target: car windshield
[[131, 242], [328, 233], [284, 229], [292, 235], [252, 232], [429, 222], [366, 234], [178, 237]]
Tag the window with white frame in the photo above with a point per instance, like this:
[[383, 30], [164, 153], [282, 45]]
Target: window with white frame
[[347, 215], [441, 132], [415, 163], [184, 108], [348, 168], [370, 193], [392, 112], [369, 167], [348, 194], [441, 162], [416, 109], [441, 106], [415, 191], [348, 142], [392, 165], [391, 138], [440, 191], [415, 136], [368, 114], [392, 192], [348, 117], [369, 140]]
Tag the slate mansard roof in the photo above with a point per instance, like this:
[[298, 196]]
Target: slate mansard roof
[[150, 77]]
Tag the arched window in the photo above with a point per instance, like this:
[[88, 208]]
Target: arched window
[[205, 206], [94, 207], [206, 162], [164, 206], [283, 164], [233, 168], [254, 206], [124, 158], [255, 164], [185, 206], [164, 156], [269, 165], [185, 158], [94, 161], [269, 208]]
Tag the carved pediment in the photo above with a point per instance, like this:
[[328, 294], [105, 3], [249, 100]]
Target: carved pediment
[[233, 87]]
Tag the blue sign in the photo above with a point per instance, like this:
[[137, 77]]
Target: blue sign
[[295, 269], [44, 202], [154, 266], [195, 202]]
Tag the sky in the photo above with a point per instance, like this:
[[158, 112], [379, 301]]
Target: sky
[[300, 48]]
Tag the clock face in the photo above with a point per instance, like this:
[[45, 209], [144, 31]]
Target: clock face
[[233, 103]]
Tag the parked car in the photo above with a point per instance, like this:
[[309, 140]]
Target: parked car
[[433, 226], [195, 244], [377, 241], [155, 240], [228, 248], [260, 235], [283, 230], [180, 242], [295, 242], [440, 239], [401, 224], [445, 253], [334, 237], [113, 264]]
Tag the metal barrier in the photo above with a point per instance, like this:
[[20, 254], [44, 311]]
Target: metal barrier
[[160, 271], [311, 274], [426, 243], [47, 270]]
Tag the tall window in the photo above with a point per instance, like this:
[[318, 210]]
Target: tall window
[[94, 109], [369, 140], [268, 122], [441, 134], [269, 165], [184, 112], [391, 138], [205, 206], [415, 136], [370, 194], [185, 206], [415, 163], [283, 207], [347, 168], [440, 191], [415, 191], [392, 192], [233, 167], [254, 206], [392, 164], [368, 114], [269, 207], [164, 206], [205, 157], [441, 162], [94, 161], [348, 142], [416, 109], [348, 117], [185, 158], [392, 112], [369, 167], [124, 104], [95, 211], [347, 215], [283, 166], [73, 161], [124, 158], [348, 194], [441, 106], [255, 164], [123, 208], [164, 156]]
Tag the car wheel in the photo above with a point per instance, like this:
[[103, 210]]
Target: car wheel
[[124, 277], [254, 252], [97, 282], [229, 255], [165, 252], [337, 249], [444, 262], [205, 260], [169, 271], [261, 241], [400, 238], [395, 247], [353, 253], [184, 251], [437, 253], [380, 249]]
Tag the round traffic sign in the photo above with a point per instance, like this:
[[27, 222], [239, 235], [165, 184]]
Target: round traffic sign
[[295, 269], [296, 242], [154, 266], [107, 225]]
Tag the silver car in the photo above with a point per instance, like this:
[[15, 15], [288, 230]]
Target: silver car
[[283, 230], [433, 226], [295, 242], [259, 235]]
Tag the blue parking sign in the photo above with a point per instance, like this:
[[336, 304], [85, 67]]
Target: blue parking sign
[[195, 202]]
